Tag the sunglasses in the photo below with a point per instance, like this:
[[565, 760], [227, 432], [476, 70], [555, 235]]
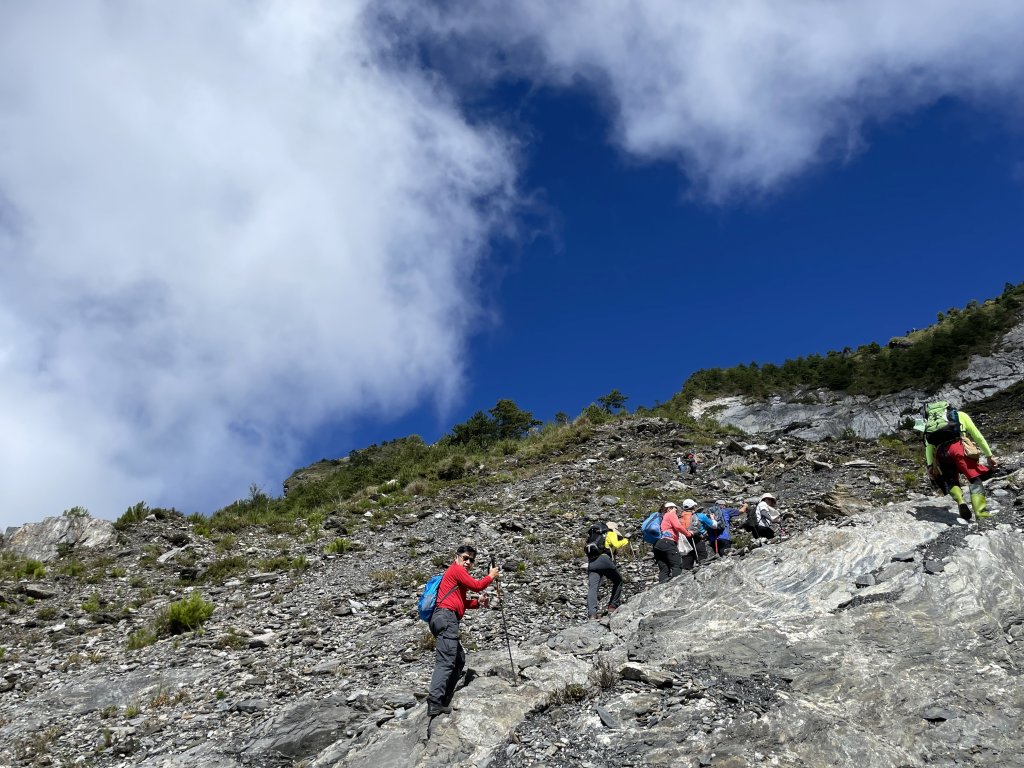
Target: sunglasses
[[468, 559]]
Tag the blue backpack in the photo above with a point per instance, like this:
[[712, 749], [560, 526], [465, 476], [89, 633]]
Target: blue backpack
[[428, 600], [651, 528], [717, 515]]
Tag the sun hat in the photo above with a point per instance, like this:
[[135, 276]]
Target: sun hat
[[689, 504], [668, 504], [768, 496], [613, 525]]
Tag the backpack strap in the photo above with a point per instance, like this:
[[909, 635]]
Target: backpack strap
[[437, 603]]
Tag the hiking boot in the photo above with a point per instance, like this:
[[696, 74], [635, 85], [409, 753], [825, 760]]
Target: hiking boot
[[611, 609], [964, 510], [433, 709], [983, 515]]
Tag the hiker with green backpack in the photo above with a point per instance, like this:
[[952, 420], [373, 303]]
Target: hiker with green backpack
[[954, 446], [451, 605]]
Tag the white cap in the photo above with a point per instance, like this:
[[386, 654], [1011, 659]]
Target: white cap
[[768, 496], [689, 504]]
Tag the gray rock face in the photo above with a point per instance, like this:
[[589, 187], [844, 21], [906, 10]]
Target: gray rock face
[[781, 659], [862, 635], [833, 413], [41, 541], [916, 669], [303, 728]]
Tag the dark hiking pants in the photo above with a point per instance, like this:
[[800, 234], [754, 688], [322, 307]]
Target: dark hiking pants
[[449, 657], [701, 549], [603, 567], [670, 562]]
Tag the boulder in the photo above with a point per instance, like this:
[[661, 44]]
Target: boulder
[[45, 540]]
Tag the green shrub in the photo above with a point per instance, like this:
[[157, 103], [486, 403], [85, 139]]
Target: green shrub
[[14, 567], [185, 615], [595, 414], [924, 360], [284, 563], [221, 570], [572, 693], [76, 512], [72, 568], [65, 549], [338, 547], [131, 516], [92, 605], [200, 524], [454, 468], [141, 638], [418, 487]]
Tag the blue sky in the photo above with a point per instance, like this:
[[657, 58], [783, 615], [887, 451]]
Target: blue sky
[[237, 238], [629, 283]]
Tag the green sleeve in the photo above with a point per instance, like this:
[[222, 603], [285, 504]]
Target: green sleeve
[[929, 454], [967, 424]]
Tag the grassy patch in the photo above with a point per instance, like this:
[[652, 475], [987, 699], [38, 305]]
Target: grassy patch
[[141, 638], [338, 547], [223, 569], [185, 615], [14, 567]]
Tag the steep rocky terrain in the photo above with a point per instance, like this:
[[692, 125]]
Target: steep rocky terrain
[[821, 413], [879, 631]]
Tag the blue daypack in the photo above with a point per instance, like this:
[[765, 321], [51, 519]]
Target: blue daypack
[[428, 600], [651, 528]]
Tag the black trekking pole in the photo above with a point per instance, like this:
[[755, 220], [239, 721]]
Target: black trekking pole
[[504, 626]]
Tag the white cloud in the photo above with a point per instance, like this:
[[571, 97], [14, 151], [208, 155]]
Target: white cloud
[[224, 223], [220, 224], [745, 95]]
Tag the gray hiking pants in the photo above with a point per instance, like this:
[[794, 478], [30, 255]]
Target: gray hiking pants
[[603, 568], [449, 657]]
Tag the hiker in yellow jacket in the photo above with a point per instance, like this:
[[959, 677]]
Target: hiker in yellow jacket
[[602, 566], [955, 448]]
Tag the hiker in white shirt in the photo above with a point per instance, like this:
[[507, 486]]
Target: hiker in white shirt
[[767, 515]]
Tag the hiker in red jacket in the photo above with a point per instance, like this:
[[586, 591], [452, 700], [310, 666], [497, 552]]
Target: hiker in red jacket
[[449, 656]]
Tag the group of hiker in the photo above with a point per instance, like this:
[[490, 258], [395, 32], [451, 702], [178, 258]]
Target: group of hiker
[[683, 537]]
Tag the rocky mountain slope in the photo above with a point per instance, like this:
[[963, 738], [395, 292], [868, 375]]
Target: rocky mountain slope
[[879, 631], [821, 413]]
